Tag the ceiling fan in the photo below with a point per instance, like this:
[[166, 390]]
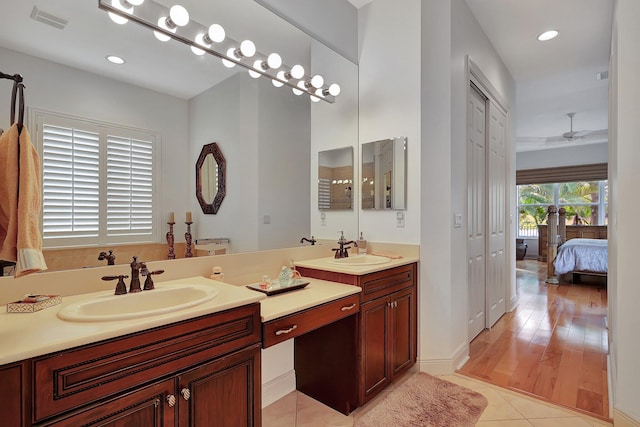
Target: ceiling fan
[[573, 135]]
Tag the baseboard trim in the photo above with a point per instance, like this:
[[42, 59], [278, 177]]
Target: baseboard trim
[[446, 366], [620, 419], [278, 387]]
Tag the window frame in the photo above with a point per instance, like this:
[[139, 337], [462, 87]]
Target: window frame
[[37, 119], [602, 204]]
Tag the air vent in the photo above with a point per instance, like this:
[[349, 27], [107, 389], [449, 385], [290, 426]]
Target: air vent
[[47, 18]]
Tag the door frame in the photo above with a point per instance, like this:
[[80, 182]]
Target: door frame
[[476, 77]]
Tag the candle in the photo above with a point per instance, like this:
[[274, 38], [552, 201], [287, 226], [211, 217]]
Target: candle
[[172, 218], [189, 217]]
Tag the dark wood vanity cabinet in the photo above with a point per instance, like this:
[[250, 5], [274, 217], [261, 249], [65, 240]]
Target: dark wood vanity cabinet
[[387, 338], [202, 371]]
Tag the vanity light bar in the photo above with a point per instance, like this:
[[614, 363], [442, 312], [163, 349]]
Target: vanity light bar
[[150, 14]]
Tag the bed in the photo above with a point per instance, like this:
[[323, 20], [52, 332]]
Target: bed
[[574, 255], [582, 255]]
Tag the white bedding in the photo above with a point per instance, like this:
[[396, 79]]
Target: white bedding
[[582, 255]]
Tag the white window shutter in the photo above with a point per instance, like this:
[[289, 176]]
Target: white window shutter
[[71, 183], [129, 186]]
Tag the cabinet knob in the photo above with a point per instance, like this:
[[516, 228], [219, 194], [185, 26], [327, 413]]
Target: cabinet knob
[[186, 394], [286, 331], [348, 307], [171, 400]]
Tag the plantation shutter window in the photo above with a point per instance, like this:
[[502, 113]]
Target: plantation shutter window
[[129, 186], [98, 182], [71, 182]]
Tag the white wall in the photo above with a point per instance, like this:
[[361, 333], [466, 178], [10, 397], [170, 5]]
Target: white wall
[[334, 126], [61, 89], [567, 156], [389, 74], [260, 130], [624, 176]]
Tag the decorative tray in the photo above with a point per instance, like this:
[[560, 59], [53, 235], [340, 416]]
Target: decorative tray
[[276, 288]]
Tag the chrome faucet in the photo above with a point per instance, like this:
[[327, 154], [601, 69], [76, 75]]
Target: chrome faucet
[[312, 240], [342, 251]]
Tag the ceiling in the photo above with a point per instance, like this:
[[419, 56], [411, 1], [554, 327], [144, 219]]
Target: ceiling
[[168, 67], [553, 78]]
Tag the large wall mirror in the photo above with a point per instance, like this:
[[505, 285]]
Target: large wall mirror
[[269, 137], [335, 179], [384, 174], [211, 170]]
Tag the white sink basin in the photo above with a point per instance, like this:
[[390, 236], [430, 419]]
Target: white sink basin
[[105, 307], [358, 260]]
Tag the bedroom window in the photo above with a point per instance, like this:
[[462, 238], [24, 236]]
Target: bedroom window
[[97, 182], [586, 202]]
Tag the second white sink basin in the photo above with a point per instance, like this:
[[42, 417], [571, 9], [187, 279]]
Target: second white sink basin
[[358, 260], [106, 307]]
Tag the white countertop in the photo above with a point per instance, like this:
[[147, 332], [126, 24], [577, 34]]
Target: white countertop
[[25, 335], [315, 293], [356, 270]]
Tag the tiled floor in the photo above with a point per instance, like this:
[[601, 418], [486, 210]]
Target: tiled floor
[[506, 408]]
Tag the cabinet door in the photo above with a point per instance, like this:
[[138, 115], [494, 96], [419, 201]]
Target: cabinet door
[[225, 392], [147, 407], [12, 394], [375, 362], [402, 329]]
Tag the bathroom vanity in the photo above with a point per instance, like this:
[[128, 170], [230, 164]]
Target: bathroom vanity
[[386, 341], [200, 370]]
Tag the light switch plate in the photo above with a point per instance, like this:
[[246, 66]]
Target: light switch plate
[[266, 219], [457, 220]]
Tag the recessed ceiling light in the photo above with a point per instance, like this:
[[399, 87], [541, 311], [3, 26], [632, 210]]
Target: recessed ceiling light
[[547, 35], [115, 59]]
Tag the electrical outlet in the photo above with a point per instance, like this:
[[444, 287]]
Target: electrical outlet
[[457, 220], [400, 222], [323, 219], [266, 219]]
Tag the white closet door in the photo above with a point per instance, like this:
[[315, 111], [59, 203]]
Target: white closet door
[[476, 196], [496, 180]]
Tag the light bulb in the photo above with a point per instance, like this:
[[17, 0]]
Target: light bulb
[[319, 93], [317, 81], [162, 23], [314, 98], [216, 33], [547, 35], [274, 61], [135, 2], [201, 42], [257, 65], [296, 91], [179, 15], [297, 71], [302, 85], [227, 63], [117, 18], [334, 90], [247, 48], [281, 76]]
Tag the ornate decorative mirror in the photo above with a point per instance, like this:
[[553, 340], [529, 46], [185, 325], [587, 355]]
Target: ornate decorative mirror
[[210, 178]]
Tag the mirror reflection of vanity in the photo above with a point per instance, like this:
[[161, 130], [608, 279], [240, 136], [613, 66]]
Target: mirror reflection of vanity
[[384, 174], [335, 179]]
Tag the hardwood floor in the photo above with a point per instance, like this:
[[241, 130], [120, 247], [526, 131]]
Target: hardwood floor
[[553, 346]]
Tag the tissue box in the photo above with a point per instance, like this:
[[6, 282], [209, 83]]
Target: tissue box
[[33, 303]]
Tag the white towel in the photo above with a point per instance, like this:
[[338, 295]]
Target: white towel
[[20, 236]]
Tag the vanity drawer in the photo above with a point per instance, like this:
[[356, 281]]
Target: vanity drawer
[[385, 282], [75, 377], [291, 326]]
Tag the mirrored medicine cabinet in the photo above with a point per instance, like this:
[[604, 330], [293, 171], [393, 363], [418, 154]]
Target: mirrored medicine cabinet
[[384, 174]]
